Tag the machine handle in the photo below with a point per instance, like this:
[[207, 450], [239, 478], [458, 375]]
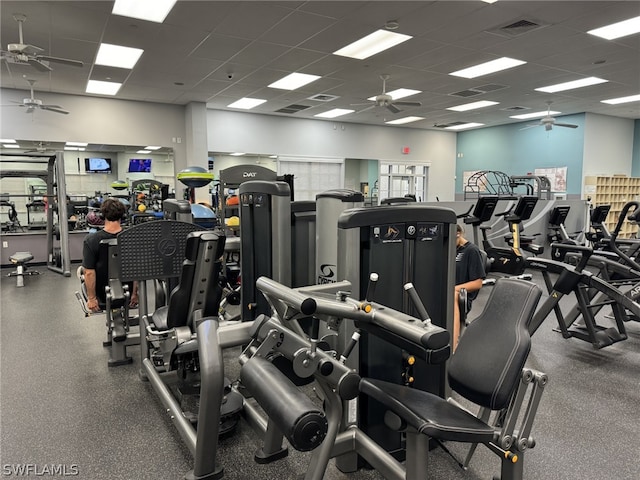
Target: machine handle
[[371, 288], [415, 298]]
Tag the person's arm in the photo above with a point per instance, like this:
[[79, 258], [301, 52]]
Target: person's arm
[[133, 301], [90, 285], [470, 286]]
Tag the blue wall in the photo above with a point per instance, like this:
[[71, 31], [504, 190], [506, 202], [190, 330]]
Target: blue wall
[[509, 149], [635, 157]]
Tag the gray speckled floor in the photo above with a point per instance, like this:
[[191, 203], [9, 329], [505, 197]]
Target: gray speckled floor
[[61, 404]]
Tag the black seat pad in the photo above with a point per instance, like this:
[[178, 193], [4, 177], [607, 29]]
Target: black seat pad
[[428, 413]]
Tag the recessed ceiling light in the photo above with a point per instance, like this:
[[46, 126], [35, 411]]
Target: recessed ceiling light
[[76, 144], [11, 145], [399, 93], [103, 88], [616, 101], [489, 1], [618, 30], [464, 126], [152, 147], [486, 68], [246, 103], [143, 151], [237, 154], [402, 121], [8, 140], [336, 112], [151, 10], [561, 87], [373, 43], [294, 80], [525, 116], [472, 106], [74, 149], [117, 56]]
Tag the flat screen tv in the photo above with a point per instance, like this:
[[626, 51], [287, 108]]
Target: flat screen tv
[[139, 165], [97, 165]]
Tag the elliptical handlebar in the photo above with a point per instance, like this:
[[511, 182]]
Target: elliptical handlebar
[[624, 215]]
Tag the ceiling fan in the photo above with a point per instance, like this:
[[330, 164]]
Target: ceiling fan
[[32, 103], [549, 122], [39, 148], [385, 100], [24, 54]]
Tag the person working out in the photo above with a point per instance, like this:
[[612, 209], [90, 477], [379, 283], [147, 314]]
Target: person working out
[[469, 275], [113, 212]]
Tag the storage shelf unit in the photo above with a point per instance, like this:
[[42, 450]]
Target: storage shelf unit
[[616, 191]]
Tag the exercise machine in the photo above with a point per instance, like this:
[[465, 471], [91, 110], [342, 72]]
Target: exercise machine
[[510, 260], [181, 348], [265, 240], [409, 243], [515, 391], [57, 225]]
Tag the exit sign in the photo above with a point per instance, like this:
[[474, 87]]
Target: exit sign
[[406, 150]]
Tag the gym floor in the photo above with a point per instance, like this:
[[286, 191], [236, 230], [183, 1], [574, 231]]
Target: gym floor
[[61, 405]]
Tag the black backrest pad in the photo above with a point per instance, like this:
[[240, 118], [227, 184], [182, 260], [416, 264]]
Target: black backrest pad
[[105, 270], [153, 250], [198, 288], [488, 362]]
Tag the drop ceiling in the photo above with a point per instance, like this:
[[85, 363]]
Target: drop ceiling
[[217, 52]]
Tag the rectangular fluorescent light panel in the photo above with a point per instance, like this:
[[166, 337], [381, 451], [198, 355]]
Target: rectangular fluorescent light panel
[[8, 140], [151, 10], [103, 88], [153, 147], [399, 93], [486, 68], [561, 87], [618, 30], [472, 106], [616, 101], [526, 116], [489, 1], [336, 112], [373, 43], [75, 149], [246, 103], [117, 56], [11, 145], [293, 81], [464, 126], [143, 151], [237, 154], [402, 121], [76, 144]]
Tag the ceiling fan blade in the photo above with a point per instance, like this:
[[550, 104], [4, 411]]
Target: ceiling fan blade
[[393, 109], [52, 109], [368, 108], [38, 65], [409, 104], [65, 61], [569, 125]]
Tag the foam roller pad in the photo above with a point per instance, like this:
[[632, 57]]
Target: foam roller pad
[[297, 417]]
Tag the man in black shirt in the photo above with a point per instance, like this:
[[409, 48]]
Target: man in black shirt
[[112, 211], [469, 275]]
